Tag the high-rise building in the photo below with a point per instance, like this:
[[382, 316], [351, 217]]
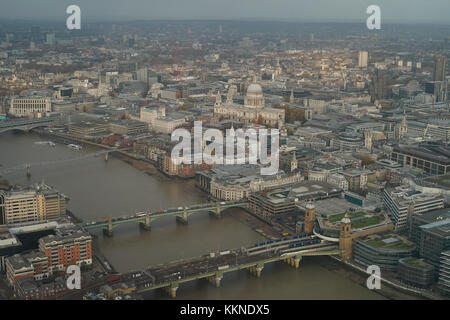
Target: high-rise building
[[438, 89], [379, 86], [50, 39], [440, 67], [363, 59]]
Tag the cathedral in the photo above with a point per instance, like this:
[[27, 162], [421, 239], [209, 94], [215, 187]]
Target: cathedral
[[253, 110]]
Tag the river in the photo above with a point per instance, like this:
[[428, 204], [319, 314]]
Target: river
[[99, 189]]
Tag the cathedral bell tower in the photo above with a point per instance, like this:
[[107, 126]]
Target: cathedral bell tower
[[345, 237], [310, 217]]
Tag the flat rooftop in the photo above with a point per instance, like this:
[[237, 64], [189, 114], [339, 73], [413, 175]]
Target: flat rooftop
[[389, 240], [441, 228], [333, 206], [418, 263]]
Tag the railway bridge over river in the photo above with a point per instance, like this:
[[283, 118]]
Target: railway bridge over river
[[213, 266]]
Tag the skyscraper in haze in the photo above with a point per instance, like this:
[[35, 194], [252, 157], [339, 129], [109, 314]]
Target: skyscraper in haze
[[51, 40], [440, 67], [363, 59]]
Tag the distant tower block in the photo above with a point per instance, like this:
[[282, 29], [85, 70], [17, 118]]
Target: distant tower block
[[368, 140], [310, 217], [363, 58], [345, 237]]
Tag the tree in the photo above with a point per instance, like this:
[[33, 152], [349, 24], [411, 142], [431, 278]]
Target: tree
[[260, 119], [290, 131], [366, 161]]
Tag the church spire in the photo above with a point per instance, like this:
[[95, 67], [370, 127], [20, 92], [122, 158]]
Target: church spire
[[218, 99]]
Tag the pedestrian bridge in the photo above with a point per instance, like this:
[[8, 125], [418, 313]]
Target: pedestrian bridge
[[146, 218], [24, 124]]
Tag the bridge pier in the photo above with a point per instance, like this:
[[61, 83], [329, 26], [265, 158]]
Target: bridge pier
[[294, 261], [256, 270], [146, 224], [173, 290], [259, 269], [108, 231], [216, 279], [297, 261], [217, 213], [184, 218]]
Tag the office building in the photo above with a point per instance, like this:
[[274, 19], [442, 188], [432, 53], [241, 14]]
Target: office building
[[50, 39], [434, 239], [415, 272], [363, 58], [444, 273], [36, 203], [25, 107], [430, 159], [403, 202], [382, 249], [440, 67]]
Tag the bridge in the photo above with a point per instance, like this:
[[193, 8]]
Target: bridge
[[146, 218], [213, 266], [28, 166], [24, 124]]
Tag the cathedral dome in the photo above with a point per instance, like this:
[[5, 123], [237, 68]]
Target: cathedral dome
[[254, 97], [254, 88]]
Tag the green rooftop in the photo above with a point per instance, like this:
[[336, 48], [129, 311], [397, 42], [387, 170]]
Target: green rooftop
[[366, 222], [338, 217], [389, 241], [418, 263]]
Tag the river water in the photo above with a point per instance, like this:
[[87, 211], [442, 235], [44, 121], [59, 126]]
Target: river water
[[99, 189]]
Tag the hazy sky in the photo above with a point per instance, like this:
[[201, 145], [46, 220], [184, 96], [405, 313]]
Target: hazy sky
[[392, 11]]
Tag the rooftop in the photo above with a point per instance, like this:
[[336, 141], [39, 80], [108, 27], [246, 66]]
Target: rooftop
[[388, 241]]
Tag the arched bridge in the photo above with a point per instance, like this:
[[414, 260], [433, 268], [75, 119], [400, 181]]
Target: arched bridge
[[181, 213], [24, 124]]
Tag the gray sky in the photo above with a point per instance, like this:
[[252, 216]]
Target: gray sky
[[392, 11]]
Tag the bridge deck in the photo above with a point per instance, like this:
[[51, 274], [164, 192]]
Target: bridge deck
[[141, 216], [174, 273]]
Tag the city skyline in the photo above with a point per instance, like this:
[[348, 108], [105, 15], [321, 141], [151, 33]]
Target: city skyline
[[401, 12], [151, 150]]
